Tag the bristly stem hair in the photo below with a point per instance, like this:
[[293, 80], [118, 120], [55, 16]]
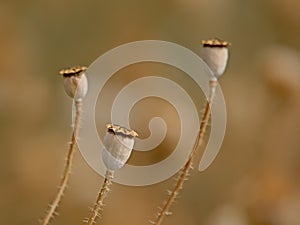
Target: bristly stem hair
[[118, 143], [184, 172], [67, 168], [105, 189]]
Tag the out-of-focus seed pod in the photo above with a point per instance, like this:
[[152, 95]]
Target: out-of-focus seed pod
[[280, 68], [118, 143], [75, 82], [215, 55]]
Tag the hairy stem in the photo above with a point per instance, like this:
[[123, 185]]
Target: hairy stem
[[67, 168], [164, 211], [100, 198]]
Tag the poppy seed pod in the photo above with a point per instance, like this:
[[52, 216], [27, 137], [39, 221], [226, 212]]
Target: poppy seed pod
[[215, 55], [75, 82], [118, 143]]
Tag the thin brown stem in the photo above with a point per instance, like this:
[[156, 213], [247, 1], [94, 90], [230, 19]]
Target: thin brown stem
[[188, 165], [67, 168], [100, 198]]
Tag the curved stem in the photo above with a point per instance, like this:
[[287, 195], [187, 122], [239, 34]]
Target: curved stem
[[100, 198], [188, 165], [67, 168]]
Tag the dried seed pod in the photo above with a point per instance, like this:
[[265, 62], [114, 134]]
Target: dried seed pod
[[215, 55], [118, 143], [75, 82]]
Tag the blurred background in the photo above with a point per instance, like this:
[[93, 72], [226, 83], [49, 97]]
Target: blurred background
[[255, 178]]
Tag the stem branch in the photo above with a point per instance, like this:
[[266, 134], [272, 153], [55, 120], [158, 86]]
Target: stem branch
[[67, 168], [100, 198], [188, 165]]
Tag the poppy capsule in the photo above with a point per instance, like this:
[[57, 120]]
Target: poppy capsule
[[215, 55], [75, 82], [118, 143]]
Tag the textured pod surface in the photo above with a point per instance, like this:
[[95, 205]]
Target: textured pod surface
[[118, 144], [215, 55], [75, 82]]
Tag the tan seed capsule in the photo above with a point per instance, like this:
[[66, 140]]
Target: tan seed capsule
[[215, 55], [118, 143], [75, 82]]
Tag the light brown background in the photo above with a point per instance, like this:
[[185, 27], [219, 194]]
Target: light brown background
[[255, 179]]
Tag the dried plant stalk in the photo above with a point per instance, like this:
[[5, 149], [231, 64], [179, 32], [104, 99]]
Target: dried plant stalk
[[164, 211], [67, 168], [118, 143], [105, 189]]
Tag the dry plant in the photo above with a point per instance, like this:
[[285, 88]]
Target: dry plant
[[75, 84], [118, 144], [215, 54], [119, 141]]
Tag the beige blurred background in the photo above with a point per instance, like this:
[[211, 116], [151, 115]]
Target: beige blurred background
[[255, 178]]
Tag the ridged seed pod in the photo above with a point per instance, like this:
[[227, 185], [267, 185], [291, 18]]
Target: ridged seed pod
[[215, 55], [75, 82], [118, 143]]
